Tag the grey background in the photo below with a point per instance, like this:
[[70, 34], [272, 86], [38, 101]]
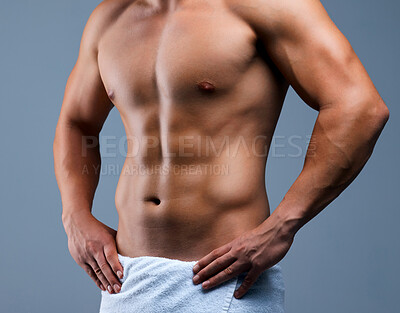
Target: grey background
[[345, 260]]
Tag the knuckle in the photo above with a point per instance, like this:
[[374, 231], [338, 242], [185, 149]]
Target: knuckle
[[103, 266], [88, 270], [250, 252], [249, 279], [91, 247], [215, 253], [239, 249], [110, 248]]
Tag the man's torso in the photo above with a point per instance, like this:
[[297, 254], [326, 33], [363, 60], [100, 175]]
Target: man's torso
[[199, 100]]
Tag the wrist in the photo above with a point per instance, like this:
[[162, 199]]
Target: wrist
[[71, 217], [287, 220]]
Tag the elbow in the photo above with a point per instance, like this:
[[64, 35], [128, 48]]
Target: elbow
[[371, 115], [378, 113], [384, 114]]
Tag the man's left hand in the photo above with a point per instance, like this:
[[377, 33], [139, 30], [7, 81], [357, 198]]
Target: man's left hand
[[253, 252]]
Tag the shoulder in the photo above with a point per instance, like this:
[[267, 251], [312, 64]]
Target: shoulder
[[101, 18], [268, 11], [275, 17], [109, 10]]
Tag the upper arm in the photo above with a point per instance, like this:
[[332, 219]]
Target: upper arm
[[86, 103], [310, 51]]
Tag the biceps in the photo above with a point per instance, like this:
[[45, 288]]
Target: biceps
[[85, 103], [317, 59]]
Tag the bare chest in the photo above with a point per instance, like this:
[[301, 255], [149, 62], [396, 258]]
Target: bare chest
[[187, 54]]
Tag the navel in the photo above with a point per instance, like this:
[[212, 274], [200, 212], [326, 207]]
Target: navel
[[206, 86], [154, 200]]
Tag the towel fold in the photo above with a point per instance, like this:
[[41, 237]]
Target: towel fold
[[156, 284]]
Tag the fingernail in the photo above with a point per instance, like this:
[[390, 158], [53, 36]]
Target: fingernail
[[102, 288], [117, 288], [109, 288], [206, 284], [196, 268], [236, 294], [196, 279], [120, 275]]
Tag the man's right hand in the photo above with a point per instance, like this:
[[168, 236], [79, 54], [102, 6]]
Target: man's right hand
[[92, 245]]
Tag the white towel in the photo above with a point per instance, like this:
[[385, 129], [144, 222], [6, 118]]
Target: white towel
[[157, 284]]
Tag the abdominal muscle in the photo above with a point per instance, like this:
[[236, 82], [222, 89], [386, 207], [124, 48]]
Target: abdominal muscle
[[183, 209]]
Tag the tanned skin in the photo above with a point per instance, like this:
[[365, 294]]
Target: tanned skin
[[184, 72]]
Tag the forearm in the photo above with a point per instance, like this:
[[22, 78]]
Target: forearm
[[77, 168], [341, 143]]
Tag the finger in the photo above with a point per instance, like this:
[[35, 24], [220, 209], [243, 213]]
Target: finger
[[114, 284], [88, 269], [99, 274], [228, 273], [248, 281], [111, 255], [214, 267], [203, 262]]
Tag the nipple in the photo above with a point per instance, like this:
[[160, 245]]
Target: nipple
[[111, 95], [206, 86]]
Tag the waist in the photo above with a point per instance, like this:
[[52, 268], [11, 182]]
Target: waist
[[187, 227]]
